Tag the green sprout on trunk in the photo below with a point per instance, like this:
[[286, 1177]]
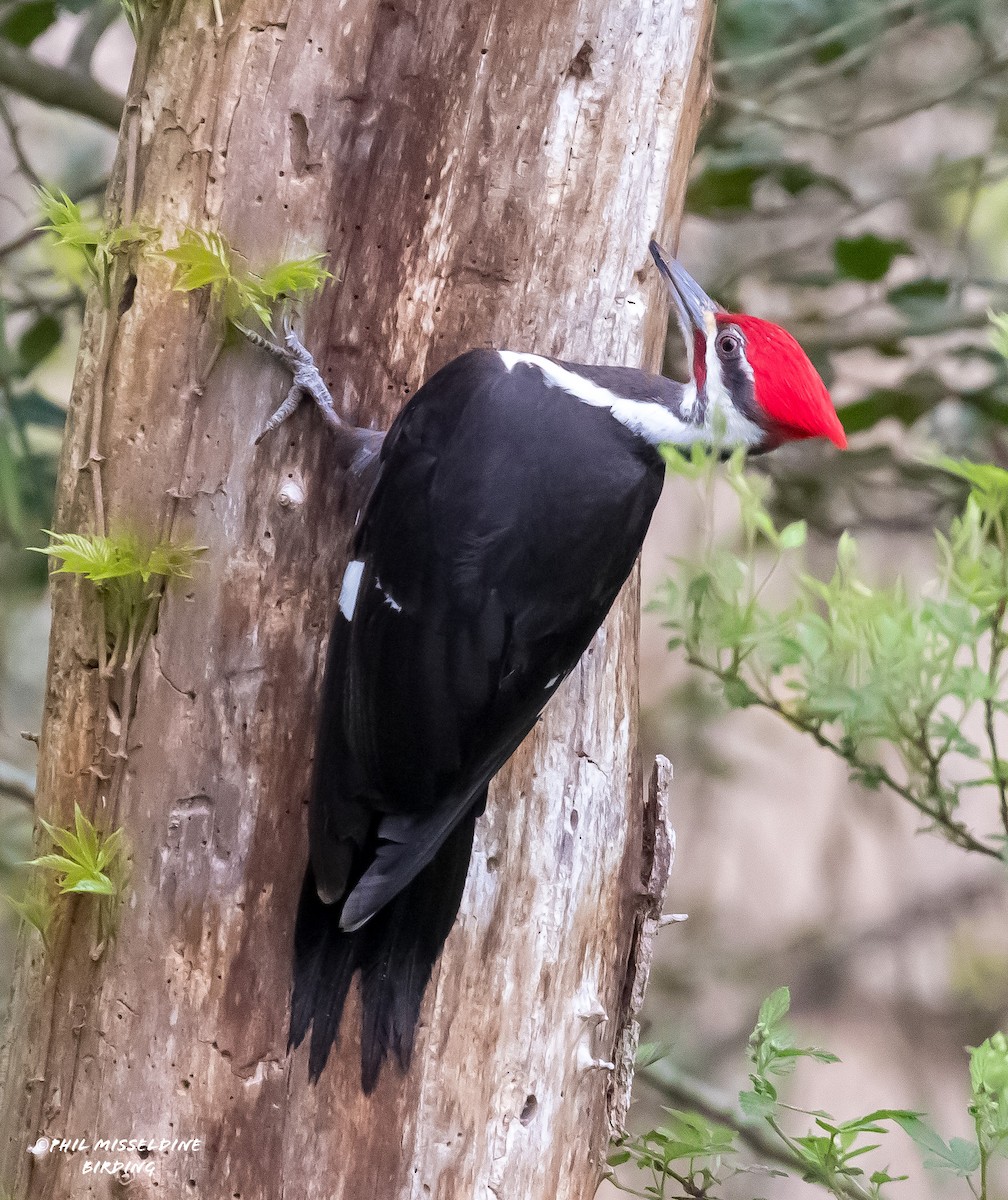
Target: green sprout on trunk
[[205, 259], [129, 580], [84, 862], [90, 245]]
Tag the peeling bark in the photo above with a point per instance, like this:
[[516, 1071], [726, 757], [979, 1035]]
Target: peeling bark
[[482, 173]]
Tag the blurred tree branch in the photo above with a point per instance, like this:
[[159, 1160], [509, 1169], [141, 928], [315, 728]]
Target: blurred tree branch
[[17, 783], [779, 56], [103, 14], [845, 129], [24, 166], [58, 87], [825, 336]]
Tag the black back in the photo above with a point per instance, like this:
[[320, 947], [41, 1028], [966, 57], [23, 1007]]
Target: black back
[[505, 517]]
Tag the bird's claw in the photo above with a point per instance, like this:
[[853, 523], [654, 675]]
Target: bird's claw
[[307, 378]]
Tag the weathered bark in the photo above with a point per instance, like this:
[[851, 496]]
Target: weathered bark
[[483, 173]]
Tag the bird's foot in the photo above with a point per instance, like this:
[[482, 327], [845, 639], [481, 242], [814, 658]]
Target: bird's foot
[[357, 449], [307, 378]]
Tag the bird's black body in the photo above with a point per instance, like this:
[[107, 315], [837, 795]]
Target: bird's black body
[[505, 515]]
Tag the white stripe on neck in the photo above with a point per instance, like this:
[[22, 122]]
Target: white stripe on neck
[[647, 418]]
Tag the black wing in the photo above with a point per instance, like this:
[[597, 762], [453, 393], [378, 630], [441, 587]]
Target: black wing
[[504, 519]]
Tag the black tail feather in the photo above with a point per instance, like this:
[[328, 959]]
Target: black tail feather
[[395, 953]]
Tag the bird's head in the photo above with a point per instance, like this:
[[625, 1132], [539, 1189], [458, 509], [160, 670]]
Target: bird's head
[[750, 378]]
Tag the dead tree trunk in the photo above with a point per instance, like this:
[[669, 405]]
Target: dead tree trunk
[[483, 172]]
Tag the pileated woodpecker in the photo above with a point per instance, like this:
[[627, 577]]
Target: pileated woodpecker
[[500, 517]]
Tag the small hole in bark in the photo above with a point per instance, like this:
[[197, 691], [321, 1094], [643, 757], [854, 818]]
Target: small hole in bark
[[493, 862], [529, 1110]]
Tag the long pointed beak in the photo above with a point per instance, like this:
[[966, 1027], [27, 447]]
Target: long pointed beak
[[695, 309]]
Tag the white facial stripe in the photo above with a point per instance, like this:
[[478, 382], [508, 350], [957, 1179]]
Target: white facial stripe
[[351, 586], [653, 421], [739, 430]]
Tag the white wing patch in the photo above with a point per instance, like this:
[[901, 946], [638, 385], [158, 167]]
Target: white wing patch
[[351, 586], [653, 421]]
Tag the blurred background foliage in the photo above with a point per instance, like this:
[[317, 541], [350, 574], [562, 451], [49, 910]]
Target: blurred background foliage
[[851, 182]]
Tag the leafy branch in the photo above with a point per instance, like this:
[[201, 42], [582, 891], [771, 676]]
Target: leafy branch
[[58, 87], [857, 667], [697, 1151]]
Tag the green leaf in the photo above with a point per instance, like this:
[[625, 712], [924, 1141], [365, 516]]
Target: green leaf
[[775, 1007], [25, 22], [989, 1064], [692, 1136], [81, 883], [868, 257], [38, 341], [999, 333], [54, 862], [87, 837], [32, 408], [202, 259], [920, 298], [792, 536], [756, 1104], [722, 189], [295, 277], [94, 556], [738, 693]]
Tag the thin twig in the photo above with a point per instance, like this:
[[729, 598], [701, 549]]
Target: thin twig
[[997, 767], [956, 833], [858, 208], [826, 337], [24, 166], [793, 124], [778, 56]]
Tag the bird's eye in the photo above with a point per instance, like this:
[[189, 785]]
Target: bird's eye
[[728, 343]]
